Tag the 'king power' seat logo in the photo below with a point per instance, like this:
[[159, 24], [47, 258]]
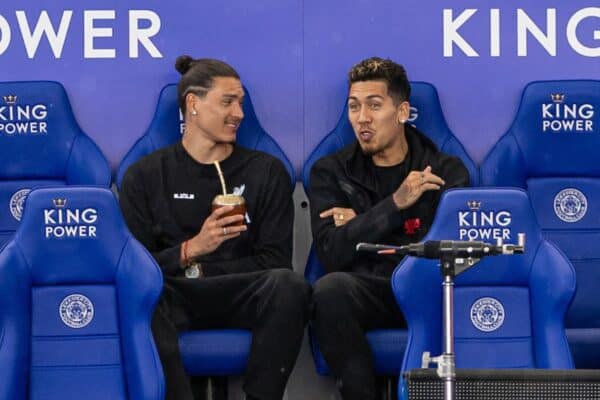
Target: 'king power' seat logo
[[559, 116], [22, 119], [478, 224], [181, 122], [62, 222]]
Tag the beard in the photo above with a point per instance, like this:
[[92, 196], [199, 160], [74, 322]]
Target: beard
[[369, 150]]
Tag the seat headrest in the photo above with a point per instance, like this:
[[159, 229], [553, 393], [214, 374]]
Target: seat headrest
[[72, 234], [557, 128], [484, 214], [425, 114], [37, 124], [487, 214], [168, 125], [163, 130]]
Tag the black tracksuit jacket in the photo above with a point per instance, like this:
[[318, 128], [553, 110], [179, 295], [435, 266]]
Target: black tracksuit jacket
[[347, 179], [166, 196]]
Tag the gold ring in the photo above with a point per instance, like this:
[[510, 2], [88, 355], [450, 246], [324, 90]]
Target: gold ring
[[224, 231], [341, 217]]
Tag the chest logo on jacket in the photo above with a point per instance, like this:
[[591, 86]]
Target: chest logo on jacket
[[412, 225], [486, 225], [183, 196], [239, 191]]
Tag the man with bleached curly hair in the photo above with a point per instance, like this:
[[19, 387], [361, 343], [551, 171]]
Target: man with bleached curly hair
[[385, 188]]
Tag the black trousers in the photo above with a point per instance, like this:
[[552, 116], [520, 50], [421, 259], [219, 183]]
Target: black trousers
[[346, 305], [273, 304]]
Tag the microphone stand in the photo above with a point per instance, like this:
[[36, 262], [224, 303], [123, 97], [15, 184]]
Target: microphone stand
[[446, 365], [450, 267], [453, 262]]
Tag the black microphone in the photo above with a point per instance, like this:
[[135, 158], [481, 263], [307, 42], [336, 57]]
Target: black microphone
[[456, 249], [436, 249]]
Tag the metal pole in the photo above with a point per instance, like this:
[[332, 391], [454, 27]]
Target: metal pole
[[449, 373]]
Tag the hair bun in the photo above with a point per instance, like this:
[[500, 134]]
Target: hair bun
[[183, 64]]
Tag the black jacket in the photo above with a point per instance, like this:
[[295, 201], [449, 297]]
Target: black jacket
[[347, 179], [166, 196]]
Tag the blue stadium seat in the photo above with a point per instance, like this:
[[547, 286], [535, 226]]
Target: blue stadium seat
[[168, 125], [509, 310], [211, 352], [41, 144], [77, 293], [551, 150], [426, 114]]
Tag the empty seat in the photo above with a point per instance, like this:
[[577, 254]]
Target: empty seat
[[550, 150], [76, 299], [508, 310], [41, 145]]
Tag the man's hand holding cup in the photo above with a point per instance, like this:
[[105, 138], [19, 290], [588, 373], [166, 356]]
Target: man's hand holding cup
[[225, 222]]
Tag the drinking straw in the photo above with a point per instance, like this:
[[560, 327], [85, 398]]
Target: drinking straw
[[218, 166]]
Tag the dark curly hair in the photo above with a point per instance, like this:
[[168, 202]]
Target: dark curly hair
[[378, 69]]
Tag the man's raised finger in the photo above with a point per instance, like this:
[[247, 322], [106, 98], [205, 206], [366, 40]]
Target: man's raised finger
[[430, 186], [433, 178]]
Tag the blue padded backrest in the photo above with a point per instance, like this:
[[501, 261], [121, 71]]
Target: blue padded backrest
[[568, 213], [76, 301], [551, 151], [509, 310], [42, 140], [425, 113], [555, 133], [41, 144], [168, 125]]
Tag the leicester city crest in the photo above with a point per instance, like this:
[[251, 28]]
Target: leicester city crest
[[570, 205], [487, 314], [16, 203], [76, 311]]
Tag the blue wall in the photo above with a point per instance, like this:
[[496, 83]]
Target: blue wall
[[293, 57]]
